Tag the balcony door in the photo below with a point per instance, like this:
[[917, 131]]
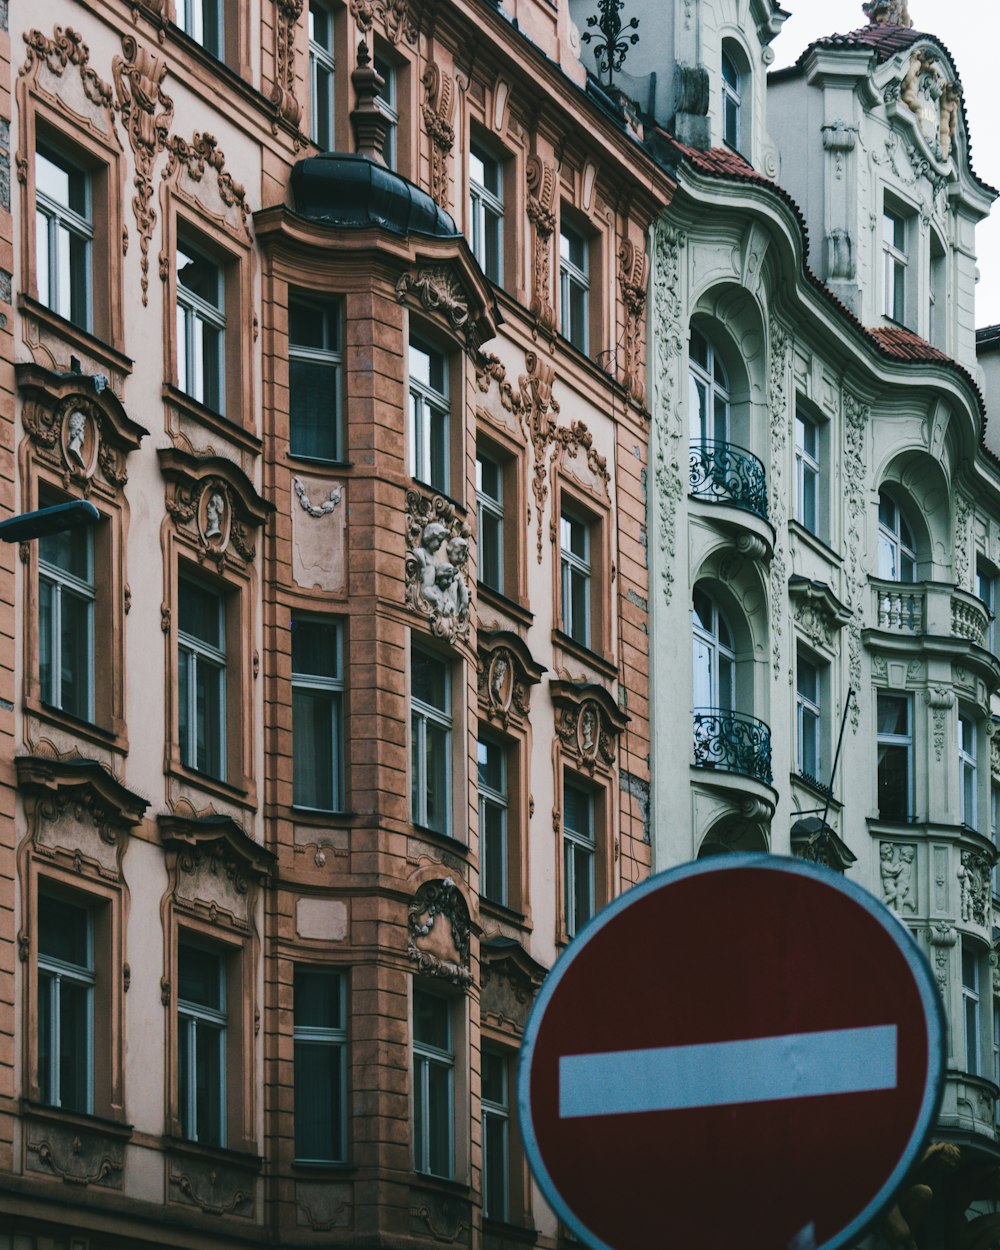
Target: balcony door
[[709, 394], [714, 658]]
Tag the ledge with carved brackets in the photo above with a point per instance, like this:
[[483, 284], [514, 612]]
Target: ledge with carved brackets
[[506, 672], [82, 1150], [817, 612], [588, 722], [510, 979], [214, 505]]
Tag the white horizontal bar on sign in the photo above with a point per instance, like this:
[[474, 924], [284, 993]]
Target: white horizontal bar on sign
[[716, 1074]]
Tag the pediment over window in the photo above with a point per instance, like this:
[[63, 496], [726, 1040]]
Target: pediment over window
[[510, 981], [78, 425], [213, 866], [506, 673], [816, 610], [588, 722], [816, 842], [214, 504]]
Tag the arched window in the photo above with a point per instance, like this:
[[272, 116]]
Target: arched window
[[709, 392], [714, 660], [732, 88], [897, 554]]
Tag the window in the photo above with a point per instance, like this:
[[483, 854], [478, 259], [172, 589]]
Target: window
[[429, 413], [321, 76], [388, 103], [574, 287], [317, 714], [202, 20], [314, 404], [709, 392], [714, 665], [201, 678], [66, 980], [430, 727], [807, 473], [574, 555], [732, 85], [986, 589], [201, 326], [895, 261], [66, 597], [433, 1085], [970, 1005], [897, 551], [320, 1066], [489, 516], [937, 296], [579, 852], [496, 1135], [967, 792], [486, 211], [64, 234], [493, 820], [807, 713], [201, 1045], [895, 755]]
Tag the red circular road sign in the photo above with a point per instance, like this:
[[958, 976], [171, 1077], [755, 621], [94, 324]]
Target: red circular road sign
[[745, 1051]]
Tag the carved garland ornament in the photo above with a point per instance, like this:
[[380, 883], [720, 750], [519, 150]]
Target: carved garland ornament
[[394, 15], [139, 83], [321, 509], [436, 567], [632, 280], [427, 950], [541, 196], [437, 111], [286, 16]]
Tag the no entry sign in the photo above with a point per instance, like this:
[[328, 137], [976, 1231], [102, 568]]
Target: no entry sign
[[746, 1051]]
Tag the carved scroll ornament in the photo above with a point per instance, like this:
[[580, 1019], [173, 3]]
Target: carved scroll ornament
[[436, 567], [440, 951], [65, 48], [286, 16], [541, 179], [438, 291], [196, 159], [632, 281], [436, 112], [394, 15]]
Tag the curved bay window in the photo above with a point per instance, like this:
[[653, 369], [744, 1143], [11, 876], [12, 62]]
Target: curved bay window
[[897, 549]]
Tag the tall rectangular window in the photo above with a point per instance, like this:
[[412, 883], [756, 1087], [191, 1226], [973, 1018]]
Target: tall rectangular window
[[493, 820], [895, 755], [66, 979], [574, 287], [202, 20], [201, 677], [490, 518], [486, 211], [575, 565], [496, 1135], [967, 792], [807, 473], [429, 416], [201, 1043], [317, 714], [986, 589], [433, 1085], [321, 75], [201, 326], [732, 102], [807, 712], [64, 236], [314, 374], [894, 265], [579, 853], [970, 1007], [388, 103], [320, 1066], [66, 596], [430, 730]]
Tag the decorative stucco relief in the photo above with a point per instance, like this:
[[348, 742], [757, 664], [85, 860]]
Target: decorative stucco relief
[[77, 1155], [283, 97], [439, 291], [933, 98], [856, 419], [221, 196], [436, 567], [887, 12], [505, 674], [84, 93], [781, 353], [974, 884], [541, 178], [439, 931], [940, 700], [147, 112], [436, 111], [394, 15], [214, 504], [632, 282], [816, 611], [896, 868], [943, 937], [963, 542], [668, 417]]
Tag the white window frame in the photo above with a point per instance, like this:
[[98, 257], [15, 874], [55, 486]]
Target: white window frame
[[421, 715], [490, 511], [322, 67], [579, 848], [731, 95], [895, 261], [807, 469], [897, 740], [333, 688], [986, 589], [55, 225], [194, 315], [387, 102], [483, 202], [83, 974], [708, 389], [717, 651], [63, 584], [329, 1038], [893, 543], [573, 277], [576, 568], [330, 358], [500, 1113], [971, 1005], [195, 1019], [426, 1056], [202, 654], [497, 799], [808, 709], [967, 771], [197, 19], [427, 407]]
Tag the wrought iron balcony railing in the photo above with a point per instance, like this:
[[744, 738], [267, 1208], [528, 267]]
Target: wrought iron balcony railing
[[732, 742], [725, 473]]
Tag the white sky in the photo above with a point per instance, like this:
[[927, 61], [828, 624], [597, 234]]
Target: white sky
[[969, 29]]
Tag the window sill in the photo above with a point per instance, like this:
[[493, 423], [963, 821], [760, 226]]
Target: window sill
[[216, 421], [320, 816], [500, 601], [445, 839], [246, 1159], [330, 1168], [113, 740], [814, 541], [604, 663], [503, 912], [84, 341], [319, 462], [504, 1230], [77, 1119], [241, 794], [445, 1184]]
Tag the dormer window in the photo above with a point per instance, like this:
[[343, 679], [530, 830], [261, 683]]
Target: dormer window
[[895, 262], [732, 86]]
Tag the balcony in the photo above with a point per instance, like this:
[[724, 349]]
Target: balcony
[[727, 474], [732, 742], [933, 608]]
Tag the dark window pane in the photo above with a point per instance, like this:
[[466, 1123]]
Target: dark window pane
[[315, 748], [315, 649], [439, 1119], [893, 782], [318, 999], [318, 1101], [198, 613], [74, 1044], [429, 677], [199, 973], [208, 1083], [431, 1021], [312, 409], [63, 931]]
